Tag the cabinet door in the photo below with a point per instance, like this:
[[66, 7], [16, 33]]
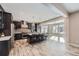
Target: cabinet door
[[7, 23], [1, 21], [4, 48], [18, 36]]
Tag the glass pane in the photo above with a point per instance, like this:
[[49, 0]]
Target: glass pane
[[0, 17], [61, 28], [44, 29], [54, 29]]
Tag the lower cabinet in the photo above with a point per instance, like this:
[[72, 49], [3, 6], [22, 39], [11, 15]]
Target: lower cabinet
[[4, 48], [36, 38], [18, 36]]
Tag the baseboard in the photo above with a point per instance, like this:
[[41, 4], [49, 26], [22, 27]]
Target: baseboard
[[74, 46], [72, 53]]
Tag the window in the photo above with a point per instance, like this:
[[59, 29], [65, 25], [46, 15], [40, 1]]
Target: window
[[61, 28], [44, 29], [58, 32], [55, 28], [58, 28]]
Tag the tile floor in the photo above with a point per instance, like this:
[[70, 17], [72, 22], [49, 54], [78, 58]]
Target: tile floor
[[44, 48]]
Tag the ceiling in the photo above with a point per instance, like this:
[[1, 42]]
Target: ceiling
[[71, 7], [31, 12], [38, 12]]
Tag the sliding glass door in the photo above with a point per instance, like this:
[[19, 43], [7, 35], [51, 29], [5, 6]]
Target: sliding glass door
[[58, 32], [44, 29], [55, 31]]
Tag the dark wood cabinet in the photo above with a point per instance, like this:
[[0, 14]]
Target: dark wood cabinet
[[18, 36], [17, 24], [5, 23], [1, 20], [35, 38], [5, 47], [29, 25]]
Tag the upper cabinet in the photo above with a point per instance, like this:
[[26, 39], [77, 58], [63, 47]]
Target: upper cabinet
[[1, 18], [1, 21], [5, 22], [17, 24]]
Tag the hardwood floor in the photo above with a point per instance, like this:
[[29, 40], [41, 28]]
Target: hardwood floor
[[22, 48]]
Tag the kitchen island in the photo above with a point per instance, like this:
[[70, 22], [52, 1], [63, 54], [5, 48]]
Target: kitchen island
[[32, 37], [36, 37]]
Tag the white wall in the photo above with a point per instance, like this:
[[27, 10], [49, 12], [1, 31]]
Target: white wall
[[74, 28], [66, 29], [72, 33]]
